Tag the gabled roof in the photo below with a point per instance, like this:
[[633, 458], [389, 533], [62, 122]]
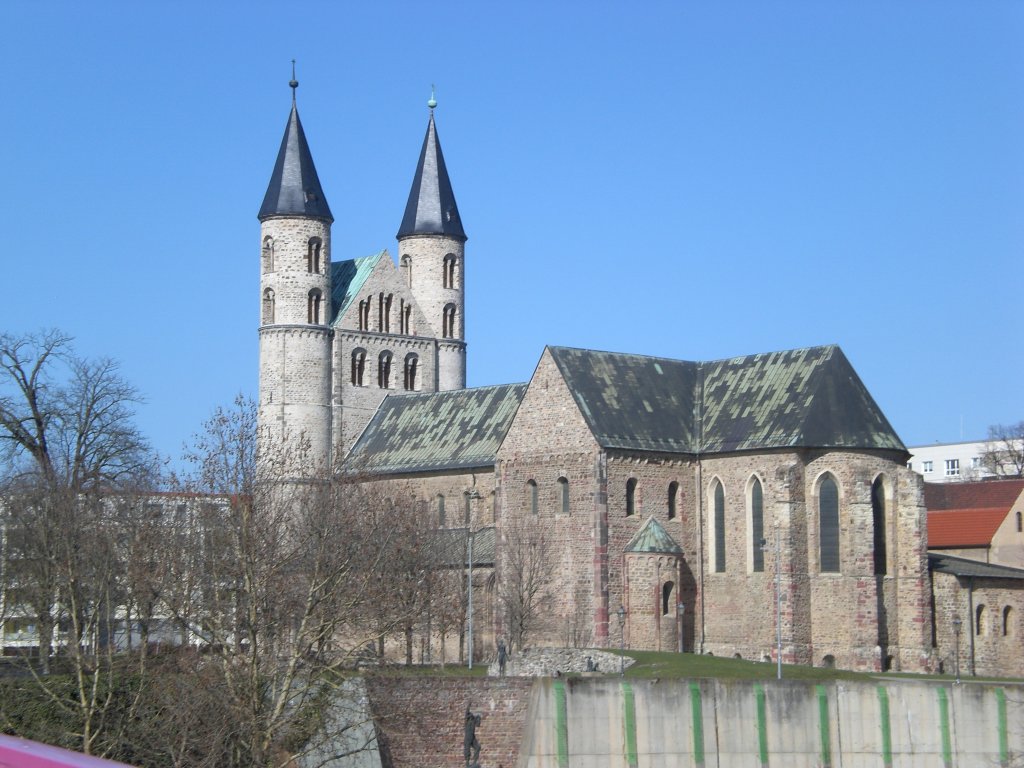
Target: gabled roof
[[347, 279], [799, 398], [458, 429], [652, 537], [968, 514], [294, 188], [431, 209], [962, 566]]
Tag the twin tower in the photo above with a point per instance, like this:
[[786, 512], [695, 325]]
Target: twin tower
[[336, 337]]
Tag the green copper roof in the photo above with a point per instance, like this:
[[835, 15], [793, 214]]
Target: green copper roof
[[653, 538], [347, 278], [459, 429], [799, 398]]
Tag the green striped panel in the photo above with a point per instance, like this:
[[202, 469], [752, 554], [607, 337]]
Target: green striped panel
[[947, 747], [561, 726], [629, 707], [823, 730], [697, 713], [762, 726], [1004, 738], [883, 716]]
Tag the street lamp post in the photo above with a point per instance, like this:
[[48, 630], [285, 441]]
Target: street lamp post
[[681, 611], [956, 639], [621, 613]]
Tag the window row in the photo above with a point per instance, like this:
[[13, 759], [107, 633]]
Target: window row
[[410, 371], [828, 526], [384, 303], [467, 509], [315, 263], [450, 277], [561, 496], [981, 621], [314, 307], [670, 504]]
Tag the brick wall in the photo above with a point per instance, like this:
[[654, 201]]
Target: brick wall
[[420, 723]]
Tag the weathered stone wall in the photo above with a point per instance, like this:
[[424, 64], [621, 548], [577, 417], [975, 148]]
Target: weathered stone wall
[[420, 722]]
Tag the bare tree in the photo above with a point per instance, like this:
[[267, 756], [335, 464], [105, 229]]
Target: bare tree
[[524, 580], [1003, 453]]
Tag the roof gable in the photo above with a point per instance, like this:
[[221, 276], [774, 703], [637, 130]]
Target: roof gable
[[964, 527], [457, 429]]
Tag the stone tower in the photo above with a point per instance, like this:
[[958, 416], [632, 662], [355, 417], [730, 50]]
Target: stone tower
[[431, 248], [295, 305]]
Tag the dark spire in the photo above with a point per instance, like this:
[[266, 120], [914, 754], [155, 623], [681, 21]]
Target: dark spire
[[431, 209], [294, 186]]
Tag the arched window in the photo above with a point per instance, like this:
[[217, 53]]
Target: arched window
[[412, 362], [878, 524], [407, 266], [364, 315], [979, 620], [358, 366], [313, 261], [531, 492], [756, 525], [448, 270], [828, 525], [563, 495], [407, 319], [448, 321], [467, 508], [441, 521], [666, 598], [268, 254], [384, 370], [1007, 614], [630, 496], [384, 313], [268, 306], [719, 525], [315, 300], [673, 494]]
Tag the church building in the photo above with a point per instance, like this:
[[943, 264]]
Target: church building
[[738, 507]]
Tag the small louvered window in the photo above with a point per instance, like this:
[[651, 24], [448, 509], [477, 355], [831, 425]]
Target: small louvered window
[[828, 526], [757, 524]]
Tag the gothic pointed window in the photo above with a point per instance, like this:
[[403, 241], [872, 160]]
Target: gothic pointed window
[[630, 497], [268, 306], [673, 495], [756, 525], [384, 370], [878, 524], [268, 254], [448, 271], [448, 322], [828, 525], [315, 301], [412, 362], [313, 259], [718, 497], [358, 366]]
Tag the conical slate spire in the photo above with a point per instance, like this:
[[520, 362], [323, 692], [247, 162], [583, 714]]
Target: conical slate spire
[[294, 186], [431, 209]]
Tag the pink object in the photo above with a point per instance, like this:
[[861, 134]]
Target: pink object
[[22, 753]]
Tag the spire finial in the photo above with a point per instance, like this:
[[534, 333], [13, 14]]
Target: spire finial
[[433, 102], [293, 83]]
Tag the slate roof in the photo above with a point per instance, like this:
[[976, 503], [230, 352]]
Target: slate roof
[[652, 537], [968, 514], [431, 209], [294, 188], [962, 566], [431, 431], [798, 398], [347, 278]]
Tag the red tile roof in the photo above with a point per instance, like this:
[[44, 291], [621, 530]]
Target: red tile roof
[[968, 514]]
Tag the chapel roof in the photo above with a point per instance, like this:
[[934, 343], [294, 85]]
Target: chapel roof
[[798, 398], [962, 566], [432, 431], [652, 537], [431, 209], [294, 188], [347, 279]]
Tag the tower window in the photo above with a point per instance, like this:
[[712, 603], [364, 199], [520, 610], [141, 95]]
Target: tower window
[[448, 322], [384, 312], [364, 315], [673, 494], [412, 362], [828, 525], [268, 306], [315, 300], [358, 366], [531, 491], [563, 495], [384, 370], [757, 525], [268, 254], [407, 266], [313, 261], [448, 271], [630, 496], [878, 524], [406, 318]]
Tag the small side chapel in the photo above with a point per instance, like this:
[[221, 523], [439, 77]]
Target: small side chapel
[[703, 506]]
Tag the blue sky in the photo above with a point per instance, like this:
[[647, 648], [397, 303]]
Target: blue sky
[[694, 181]]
